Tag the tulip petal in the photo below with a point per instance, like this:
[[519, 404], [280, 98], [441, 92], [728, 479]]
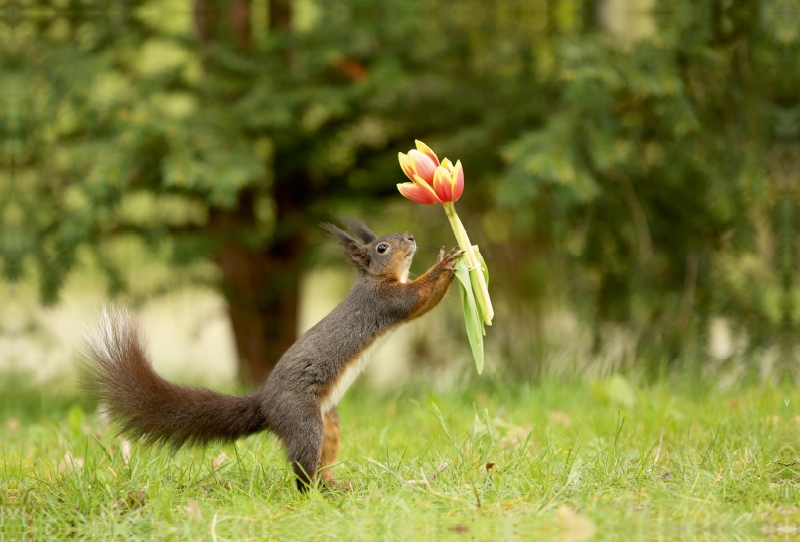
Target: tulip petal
[[405, 164], [423, 165], [428, 188], [415, 193], [458, 181], [448, 164], [426, 150], [442, 184]]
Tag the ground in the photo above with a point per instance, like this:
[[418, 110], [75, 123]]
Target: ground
[[554, 461]]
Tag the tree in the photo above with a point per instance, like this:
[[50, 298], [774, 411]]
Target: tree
[[651, 180], [662, 180], [236, 128]]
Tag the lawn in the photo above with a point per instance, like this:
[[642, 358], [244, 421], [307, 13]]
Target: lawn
[[555, 461]]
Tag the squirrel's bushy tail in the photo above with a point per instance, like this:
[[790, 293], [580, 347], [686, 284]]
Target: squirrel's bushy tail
[[118, 373]]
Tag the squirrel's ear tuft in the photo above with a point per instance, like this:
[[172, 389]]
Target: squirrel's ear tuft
[[359, 229], [357, 252], [341, 236]]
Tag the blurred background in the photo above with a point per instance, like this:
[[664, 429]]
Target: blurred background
[[631, 177]]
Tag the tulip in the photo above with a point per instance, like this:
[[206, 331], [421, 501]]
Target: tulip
[[431, 181], [448, 181], [443, 183], [419, 165]]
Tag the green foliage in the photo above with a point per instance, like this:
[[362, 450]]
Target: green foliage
[[653, 175], [107, 111], [472, 314], [647, 177]]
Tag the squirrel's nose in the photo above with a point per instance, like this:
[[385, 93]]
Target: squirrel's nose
[[410, 237]]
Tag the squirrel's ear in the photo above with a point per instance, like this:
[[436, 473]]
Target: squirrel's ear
[[355, 250], [359, 254], [359, 229]]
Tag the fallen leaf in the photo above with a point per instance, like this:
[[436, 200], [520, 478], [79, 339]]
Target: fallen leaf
[[70, 462], [443, 465], [12, 426], [432, 476], [489, 466], [516, 436], [137, 499], [561, 417], [575, 528], [217, 462], [193, 510]]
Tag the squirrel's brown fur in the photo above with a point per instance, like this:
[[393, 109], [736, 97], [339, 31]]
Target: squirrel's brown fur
[[298, 400]]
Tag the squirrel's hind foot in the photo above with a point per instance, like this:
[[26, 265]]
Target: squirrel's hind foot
[[337, 485]]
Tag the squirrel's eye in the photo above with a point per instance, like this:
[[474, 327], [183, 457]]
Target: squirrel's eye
[[382, 249]]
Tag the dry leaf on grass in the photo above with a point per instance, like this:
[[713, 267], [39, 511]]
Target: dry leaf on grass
[[12, 426], [193, 510], [516, 436], [70, 462], [574, 528], [560, 417], [137, 499], [132, 500], [217, 462], [432, 476]]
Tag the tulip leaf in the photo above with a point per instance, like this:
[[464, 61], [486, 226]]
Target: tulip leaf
[[482, 262], [472, 316], [475, 287]]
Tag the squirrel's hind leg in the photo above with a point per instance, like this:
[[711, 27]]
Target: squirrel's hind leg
[[302, 436], [330, 450], [304, 457], [330, 444]]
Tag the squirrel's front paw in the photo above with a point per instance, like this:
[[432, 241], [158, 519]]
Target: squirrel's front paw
[[448, 261]]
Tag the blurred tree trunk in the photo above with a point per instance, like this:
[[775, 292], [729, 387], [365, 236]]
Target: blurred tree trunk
[[260, 283], [261, 287]]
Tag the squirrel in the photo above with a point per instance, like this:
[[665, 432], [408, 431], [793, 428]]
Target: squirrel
[[298, 400]]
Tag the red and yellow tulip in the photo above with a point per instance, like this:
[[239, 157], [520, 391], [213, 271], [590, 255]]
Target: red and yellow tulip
[[431, 181], [443, 183]]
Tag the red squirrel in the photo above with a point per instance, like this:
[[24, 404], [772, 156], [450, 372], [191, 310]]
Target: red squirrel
[[298, 401]]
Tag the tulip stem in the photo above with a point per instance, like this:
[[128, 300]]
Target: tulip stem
[[482, 291]]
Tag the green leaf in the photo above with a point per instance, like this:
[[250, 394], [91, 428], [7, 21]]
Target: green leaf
[[472, 316], [475, 286]]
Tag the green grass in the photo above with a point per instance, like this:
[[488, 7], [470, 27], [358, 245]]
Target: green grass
[[663, 462]]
